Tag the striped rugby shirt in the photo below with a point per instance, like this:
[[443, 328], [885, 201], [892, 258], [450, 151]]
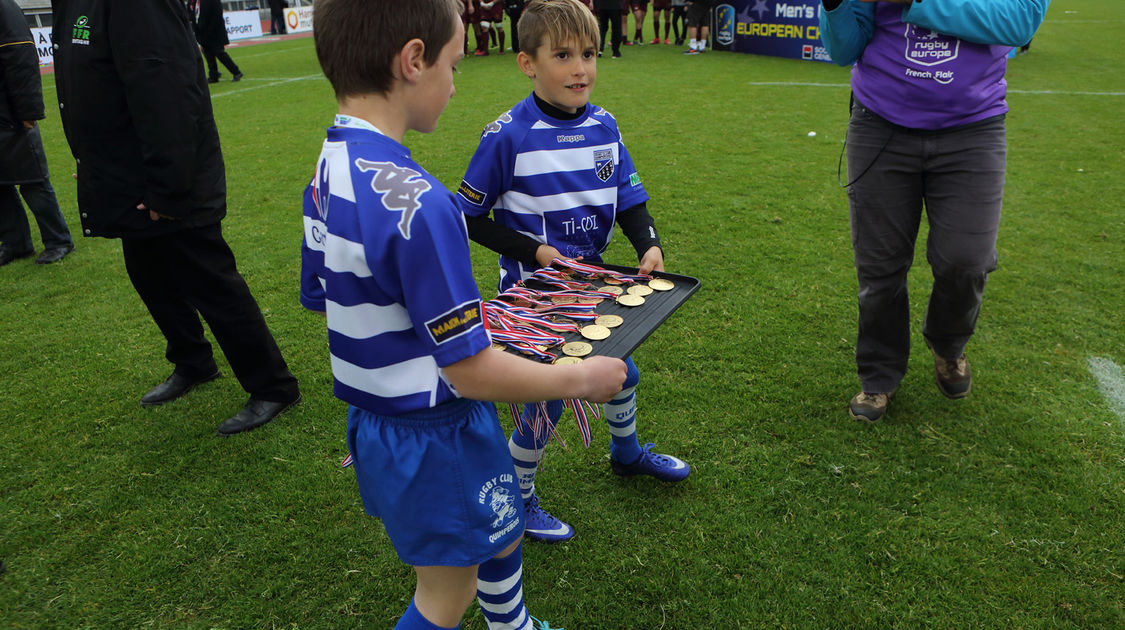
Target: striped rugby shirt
[[386, 255], [561, 182]]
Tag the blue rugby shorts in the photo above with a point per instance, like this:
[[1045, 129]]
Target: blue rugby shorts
[[441, 480]]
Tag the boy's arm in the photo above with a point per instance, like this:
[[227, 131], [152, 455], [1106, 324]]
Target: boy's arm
[[502, 239], [502, 377], [639, 227]]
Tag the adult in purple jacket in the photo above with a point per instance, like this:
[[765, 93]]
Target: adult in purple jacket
[[926, 130]]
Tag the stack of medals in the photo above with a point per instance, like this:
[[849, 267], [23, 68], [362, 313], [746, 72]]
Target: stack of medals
[[527, 318]]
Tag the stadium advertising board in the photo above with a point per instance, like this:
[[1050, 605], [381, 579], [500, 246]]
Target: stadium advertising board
[[779, 28], [42, 39], [242, 24], [299, 19]]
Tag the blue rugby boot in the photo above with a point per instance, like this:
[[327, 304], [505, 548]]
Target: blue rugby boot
[[663, 467], [539, 525]]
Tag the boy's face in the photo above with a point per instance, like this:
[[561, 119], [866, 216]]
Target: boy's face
[[437, 84], [562, 74]]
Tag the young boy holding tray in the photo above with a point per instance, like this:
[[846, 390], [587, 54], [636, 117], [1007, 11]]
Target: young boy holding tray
[[556, 176], [386, 258]]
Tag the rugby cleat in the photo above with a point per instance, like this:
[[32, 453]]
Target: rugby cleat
[[663, 467], [539, 525]]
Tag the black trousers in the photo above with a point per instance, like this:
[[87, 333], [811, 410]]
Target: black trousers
[[192, 273], [613, 18], [277, 21], [514, 18], [211, 54]]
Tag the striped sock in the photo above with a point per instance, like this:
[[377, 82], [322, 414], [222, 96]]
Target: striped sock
[[526, 450], [413, 620], [621, 414], [500, 592]]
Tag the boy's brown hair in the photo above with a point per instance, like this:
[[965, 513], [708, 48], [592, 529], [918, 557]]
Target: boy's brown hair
[[556, 22], [356, 40]]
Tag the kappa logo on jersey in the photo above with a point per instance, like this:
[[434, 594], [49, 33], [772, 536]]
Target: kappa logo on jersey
[[401, 189], [455, 323], [494, 126], [603, 164], [472, 195], [320, 190]]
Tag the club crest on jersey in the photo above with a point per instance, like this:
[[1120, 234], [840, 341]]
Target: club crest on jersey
[[603, 164], [320, 190], [401, 189], [494, 126]]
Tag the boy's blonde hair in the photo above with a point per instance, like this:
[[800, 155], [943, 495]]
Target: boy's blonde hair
[[556, 22], [356, 40]]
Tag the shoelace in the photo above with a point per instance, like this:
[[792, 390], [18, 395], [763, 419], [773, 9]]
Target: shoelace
[[543, 625]]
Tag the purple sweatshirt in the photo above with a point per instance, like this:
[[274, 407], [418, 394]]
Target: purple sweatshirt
[[918, 77]]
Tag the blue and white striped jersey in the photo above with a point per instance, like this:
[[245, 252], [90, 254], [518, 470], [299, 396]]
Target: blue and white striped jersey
[[386, 255], [560, 182]]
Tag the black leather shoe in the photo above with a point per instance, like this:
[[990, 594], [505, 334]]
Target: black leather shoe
[[255, 414], [7, 255], [236, 78], [53, 255], [171, 389]]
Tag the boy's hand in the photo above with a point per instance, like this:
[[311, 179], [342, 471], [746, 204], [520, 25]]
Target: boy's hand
[[545, 254], [653, 260], [604, 377]]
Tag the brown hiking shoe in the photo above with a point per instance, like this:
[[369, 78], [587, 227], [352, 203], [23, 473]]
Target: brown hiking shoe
[[954, 377], [869, 407]]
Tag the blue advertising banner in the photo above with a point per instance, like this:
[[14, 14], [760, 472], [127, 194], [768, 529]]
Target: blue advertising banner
[[780, 28]]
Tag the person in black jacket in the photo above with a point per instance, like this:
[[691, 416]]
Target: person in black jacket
[[22, 161], [212, 33], [137, 114], [277, 17]]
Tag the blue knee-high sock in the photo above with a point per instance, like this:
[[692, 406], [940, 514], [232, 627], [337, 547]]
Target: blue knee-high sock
[[621, 414], [526, 449], [413, 620], [500, 592]]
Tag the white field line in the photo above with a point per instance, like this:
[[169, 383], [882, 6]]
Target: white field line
[[1110, 382], [265, 85], [1010, 91]]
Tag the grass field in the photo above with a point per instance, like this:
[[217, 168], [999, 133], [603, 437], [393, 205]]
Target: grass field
[[1004, 510]]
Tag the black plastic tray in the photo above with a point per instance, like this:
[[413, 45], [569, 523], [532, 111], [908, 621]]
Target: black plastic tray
[[640, 321]]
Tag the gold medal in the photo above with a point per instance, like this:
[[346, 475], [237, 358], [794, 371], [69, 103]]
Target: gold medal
[[563, 299], [577, 349], [612, 280], [594, 331], [609, 321], [612, 289], [567, 360], [639, 289], [630, 300], [661, 284], [497, 346]]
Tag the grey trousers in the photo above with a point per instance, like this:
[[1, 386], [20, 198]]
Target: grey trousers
[[957, 175]]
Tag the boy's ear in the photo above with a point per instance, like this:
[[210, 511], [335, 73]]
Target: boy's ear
[[409, 62], [523, 60]]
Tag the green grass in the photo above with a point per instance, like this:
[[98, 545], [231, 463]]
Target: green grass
[[1001, 510]]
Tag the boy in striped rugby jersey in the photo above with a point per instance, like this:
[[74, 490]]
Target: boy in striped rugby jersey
[[385, 257], [556, 176]]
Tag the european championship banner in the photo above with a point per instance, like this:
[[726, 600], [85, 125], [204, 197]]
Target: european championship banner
[[779, 28]]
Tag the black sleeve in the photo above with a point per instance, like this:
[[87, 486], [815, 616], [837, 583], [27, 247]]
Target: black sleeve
[[502, 240], [19, 66], [637, 226]]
